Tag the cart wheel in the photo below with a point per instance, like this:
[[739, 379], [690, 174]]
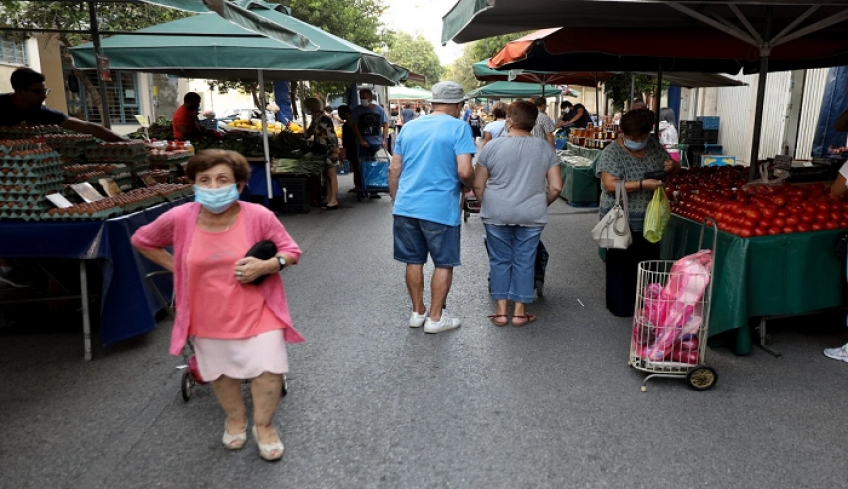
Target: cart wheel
[[702, 378], [285, 385], [644, 388], [187, 385]]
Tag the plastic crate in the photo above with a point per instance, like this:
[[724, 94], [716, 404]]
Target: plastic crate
[[295, 195], [693, 126], [713, 149], [710, 122], [710, 137]]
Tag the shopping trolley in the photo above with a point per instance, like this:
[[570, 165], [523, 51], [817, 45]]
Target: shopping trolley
[[191, 373], [672, 317], [375, 176]]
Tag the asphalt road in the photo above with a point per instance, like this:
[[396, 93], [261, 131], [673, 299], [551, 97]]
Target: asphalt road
[[375, 404]]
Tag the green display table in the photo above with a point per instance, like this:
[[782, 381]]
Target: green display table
[[779, 275], [580, 187]]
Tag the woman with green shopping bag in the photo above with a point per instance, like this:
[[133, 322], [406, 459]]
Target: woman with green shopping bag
[[635, 154]]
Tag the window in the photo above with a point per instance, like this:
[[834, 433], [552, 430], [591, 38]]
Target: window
[[122, 93], [12, 52]]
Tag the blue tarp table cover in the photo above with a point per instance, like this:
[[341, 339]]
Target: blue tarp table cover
[[128, 308]]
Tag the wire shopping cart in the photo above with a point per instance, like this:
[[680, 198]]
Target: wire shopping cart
[[191, 373], [672, 317]]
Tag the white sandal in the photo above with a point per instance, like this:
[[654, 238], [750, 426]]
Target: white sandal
[[237, 441], [266, 450]]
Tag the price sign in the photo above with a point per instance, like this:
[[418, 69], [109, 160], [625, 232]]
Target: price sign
[[783, 162]]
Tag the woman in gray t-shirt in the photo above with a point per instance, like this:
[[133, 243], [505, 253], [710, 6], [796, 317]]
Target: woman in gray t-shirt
[[516, 179]]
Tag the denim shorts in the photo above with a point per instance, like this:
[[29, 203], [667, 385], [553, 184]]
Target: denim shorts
[[416, 238]]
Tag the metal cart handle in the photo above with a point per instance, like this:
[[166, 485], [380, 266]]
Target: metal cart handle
[[168, 305], [709, 221]]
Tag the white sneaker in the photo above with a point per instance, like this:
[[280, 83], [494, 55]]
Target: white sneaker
[[445, 324], [840, 353], [417, 320]]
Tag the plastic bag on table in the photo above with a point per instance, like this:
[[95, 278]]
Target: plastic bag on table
[[657, 216], [765, 185]]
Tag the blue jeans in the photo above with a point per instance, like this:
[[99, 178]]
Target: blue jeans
[[512, 259]]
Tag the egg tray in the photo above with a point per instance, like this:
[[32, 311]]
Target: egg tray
[[142, 204], [9, 192], [8, 145], [49, 156], [28, 131], [28, 172], [171, 197], [170, 159], [28, 215], [116, 158], [27, 205], [63, 215]]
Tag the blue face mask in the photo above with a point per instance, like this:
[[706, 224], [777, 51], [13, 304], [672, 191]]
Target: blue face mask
[[634, 145], [216, 200]]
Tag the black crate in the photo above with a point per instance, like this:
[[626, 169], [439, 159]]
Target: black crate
[[696, 126], [692, 141], [710, 137], [295, 198]]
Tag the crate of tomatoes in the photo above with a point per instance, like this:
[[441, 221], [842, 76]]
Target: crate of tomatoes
[[750, 210]]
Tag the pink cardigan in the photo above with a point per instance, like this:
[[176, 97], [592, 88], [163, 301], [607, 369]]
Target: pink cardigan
[[176, 228]]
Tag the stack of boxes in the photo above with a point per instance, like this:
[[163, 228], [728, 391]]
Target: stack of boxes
[[711, 125], [29, 171]]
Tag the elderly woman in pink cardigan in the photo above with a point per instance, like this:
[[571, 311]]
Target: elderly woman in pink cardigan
[[240, 330]]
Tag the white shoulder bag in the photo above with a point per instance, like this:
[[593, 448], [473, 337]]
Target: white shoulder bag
[[613, 231]]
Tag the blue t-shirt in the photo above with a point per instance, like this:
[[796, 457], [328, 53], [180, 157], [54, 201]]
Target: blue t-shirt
[[370, 122], [429, 186]]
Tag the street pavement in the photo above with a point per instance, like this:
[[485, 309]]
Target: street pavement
[[375, 404]]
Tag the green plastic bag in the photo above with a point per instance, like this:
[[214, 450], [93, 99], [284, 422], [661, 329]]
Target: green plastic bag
[[657, 216]]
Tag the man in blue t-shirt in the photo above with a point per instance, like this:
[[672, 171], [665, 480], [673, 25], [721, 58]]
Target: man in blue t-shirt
[[429, 170]]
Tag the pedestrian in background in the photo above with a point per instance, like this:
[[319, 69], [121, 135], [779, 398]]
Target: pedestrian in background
[[371, 126], [406, 115], [325, 142], [517, 177], [476, 123], [351, 148], [240, 330], [668, 133], [430, 168], [497, 127], [544, 127]]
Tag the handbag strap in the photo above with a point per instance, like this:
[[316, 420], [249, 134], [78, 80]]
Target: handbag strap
[[621, 201]]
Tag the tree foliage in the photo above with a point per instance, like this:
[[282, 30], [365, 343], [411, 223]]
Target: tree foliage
[[618, 89], [462, 70], [74, 16], [416, 54]]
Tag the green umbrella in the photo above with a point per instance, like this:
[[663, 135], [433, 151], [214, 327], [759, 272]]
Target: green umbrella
[[504, 89], [409, 93], [241, 58]]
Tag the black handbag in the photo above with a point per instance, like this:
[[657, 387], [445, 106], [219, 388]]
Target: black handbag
[[263, 250]]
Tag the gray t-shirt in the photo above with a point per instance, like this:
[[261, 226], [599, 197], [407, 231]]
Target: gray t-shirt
[[516, 190]]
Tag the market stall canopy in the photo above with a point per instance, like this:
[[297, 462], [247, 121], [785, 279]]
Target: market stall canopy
[[409, 93], [504, 89], [606, 34], [241, 58], [587, 79]]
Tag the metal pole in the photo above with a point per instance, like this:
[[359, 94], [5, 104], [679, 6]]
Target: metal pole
[[86, 313], [597, 99], [658, 101], [632, 89], [101, 85], [264, 104], [761, 98]]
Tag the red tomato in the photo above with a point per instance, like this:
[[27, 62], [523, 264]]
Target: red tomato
[[822, 217], [823, 207], [808, 218], [830, 225], [836, 216], [765, 224], [836, 207], [754, 214], [789, 229], [784, 213], [793, 221], [774, 230], [768, 212], [748, 223], [810, 209], [779, 222], [760, 232], [779, 200], [746, 233], [817, 226], [804, 228], [843, 224]]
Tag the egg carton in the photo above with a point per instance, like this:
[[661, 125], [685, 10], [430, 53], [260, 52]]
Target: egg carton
[[17, 191], [28, 131], [69, 214], [20, 215]]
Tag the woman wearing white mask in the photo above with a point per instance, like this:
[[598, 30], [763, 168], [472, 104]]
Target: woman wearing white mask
[[629, 159], [240, 329]]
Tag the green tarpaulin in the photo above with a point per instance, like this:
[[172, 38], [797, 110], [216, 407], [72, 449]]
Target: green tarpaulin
[[409, 93], [513, 90], [240, 58], [766, 276]]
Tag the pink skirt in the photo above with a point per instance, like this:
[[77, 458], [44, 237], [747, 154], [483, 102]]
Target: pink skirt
[[246, 358]]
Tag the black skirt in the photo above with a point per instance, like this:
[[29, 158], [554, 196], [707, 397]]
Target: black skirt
[[622, 273]]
